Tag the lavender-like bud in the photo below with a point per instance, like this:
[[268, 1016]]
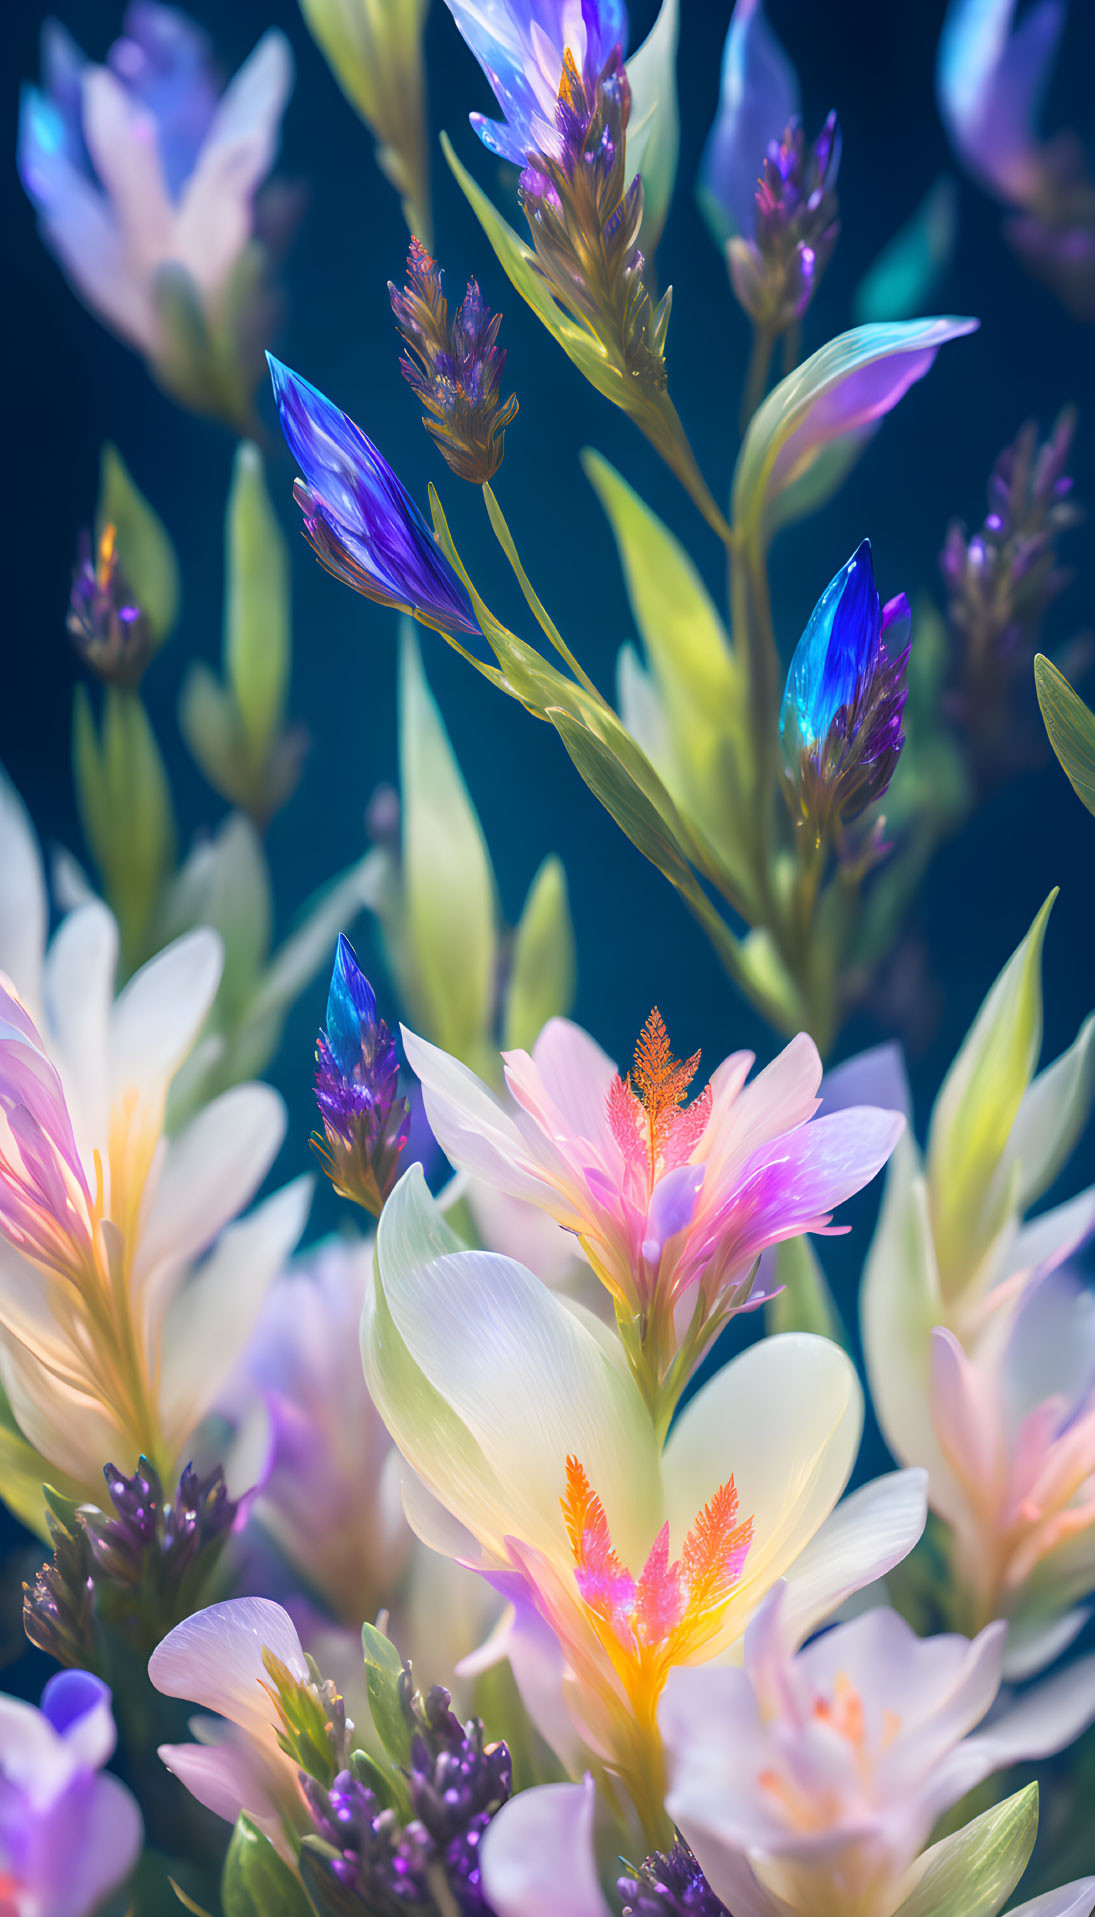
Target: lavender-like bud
[[455, 366], [110, 630], [365, 1122], [363, 1857], [776, 273], [138, 1568], [840, 724], [1000, 582], [669, 1884]]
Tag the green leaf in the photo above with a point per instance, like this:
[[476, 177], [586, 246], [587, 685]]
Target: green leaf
[[805, 1303], [654, 129], [257, 1882], [207, 721], [125, 808], [903, 278], [145, 551], [541, 980], [256, 613], [383, 1681], [804, 436], [973, 1873], [1071, 728], [976, 1109], [449, 892], [628, 803]]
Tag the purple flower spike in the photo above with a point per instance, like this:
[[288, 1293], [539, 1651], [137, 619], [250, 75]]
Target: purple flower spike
[[365, 1122], [359, 519], [109, 629], [776, 267], [841, 720], [1000, 582], [669, 1884], [758, 100], [455, 366]]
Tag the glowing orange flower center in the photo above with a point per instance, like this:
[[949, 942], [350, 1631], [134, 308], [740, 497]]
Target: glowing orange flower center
[[650, 1121], [661, 1618], [814, 1808]]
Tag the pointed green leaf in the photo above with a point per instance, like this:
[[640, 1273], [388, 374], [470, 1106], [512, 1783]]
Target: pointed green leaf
[[256, 613], [903, 278], [803, 437], [541, 980], [207, 721], [973, 1873], [1071, 728], [126, 812], [383, 1681], [145, 551], [977, 1107], [449, 890], [257, 1882], [654, 129]]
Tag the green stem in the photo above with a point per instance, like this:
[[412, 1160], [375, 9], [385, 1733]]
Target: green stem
[[756, 378]]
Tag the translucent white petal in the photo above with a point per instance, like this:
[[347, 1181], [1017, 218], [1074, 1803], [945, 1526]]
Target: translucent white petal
[[215, 1659], [24, 910], [869, 1532], [158, 1015], [537, 1855], [214, 214], [211, 1170]]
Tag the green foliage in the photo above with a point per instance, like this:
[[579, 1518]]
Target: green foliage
[[806, 1302], [654, 129], [257, 1882], [1071, 728], [145, 552], [126, 812], [900, 282], [973, 1873], [386, 1683], [543, 962], [236, 729]]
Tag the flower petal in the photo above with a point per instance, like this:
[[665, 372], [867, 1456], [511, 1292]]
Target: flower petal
[[537, 1855], [215, 1659]]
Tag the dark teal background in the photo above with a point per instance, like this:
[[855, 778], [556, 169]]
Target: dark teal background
[[69, 386]]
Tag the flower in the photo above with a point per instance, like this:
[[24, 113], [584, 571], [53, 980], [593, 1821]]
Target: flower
[[521, 46], [1000, 582], [145, 182], [533, 1458], [135, 1570], [455, 1785], [365, 1123], [68, 1836], [672, 1203], [669, 1884], [243, 1659], [840, 723], [758, 100], [455, 367], [810, 1782], [126, 1289], [109, 628], [777, 263], [980, 1349], [328, 1499], [359, 520], [991, 80]]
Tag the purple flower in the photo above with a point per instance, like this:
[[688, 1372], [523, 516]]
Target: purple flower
[[841, 719], [365, 1122], [367, 1859], [145, 174], [1000, 582], [109, 629], [520, 45], [359, 519], [68, 1836], [455, 366], [777, 263], [758, 100], [669, 1884]]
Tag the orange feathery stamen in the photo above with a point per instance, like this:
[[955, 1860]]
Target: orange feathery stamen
[[644, 1109], [674, 1607]]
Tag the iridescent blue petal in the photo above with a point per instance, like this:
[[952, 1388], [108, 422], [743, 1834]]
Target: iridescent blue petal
[[351, 1006], [759, 96], [365, 511], [837, 649], [520, 44]]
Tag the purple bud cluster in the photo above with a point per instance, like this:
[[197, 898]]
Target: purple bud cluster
[[365, 1856], [1000, 582], [108, 627], [669, 1884], [454, 364], [365, 1122], [776, 272]]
